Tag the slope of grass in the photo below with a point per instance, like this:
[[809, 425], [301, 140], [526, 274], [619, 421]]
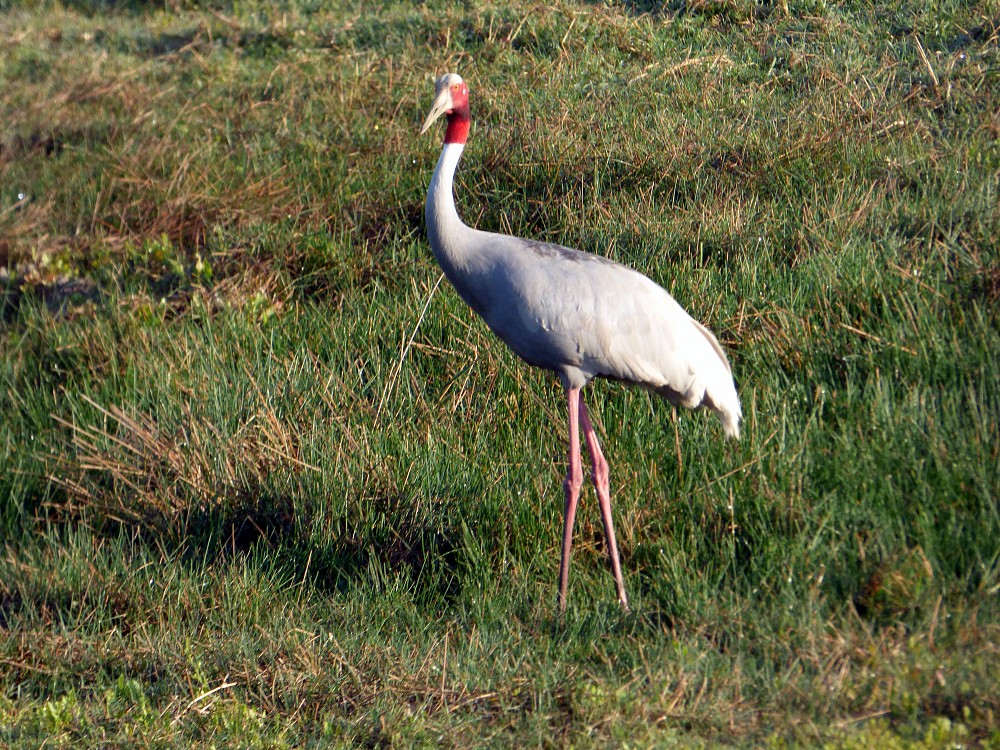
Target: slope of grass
[[265, 481]]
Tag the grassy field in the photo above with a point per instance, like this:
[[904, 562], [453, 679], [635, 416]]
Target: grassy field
[[264, 482]]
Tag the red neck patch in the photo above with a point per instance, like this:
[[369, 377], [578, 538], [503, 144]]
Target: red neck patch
[[458, 127], [459, 118]]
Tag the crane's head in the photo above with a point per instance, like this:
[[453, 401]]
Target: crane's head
[[451, 98]]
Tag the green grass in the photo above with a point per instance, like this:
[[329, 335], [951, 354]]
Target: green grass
[[264, 483]]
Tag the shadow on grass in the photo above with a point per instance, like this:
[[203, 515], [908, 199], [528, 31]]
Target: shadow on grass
[[360, 553]]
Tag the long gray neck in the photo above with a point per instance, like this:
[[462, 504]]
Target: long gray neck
[[445, 230]]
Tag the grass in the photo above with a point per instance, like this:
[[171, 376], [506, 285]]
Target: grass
[[265, 482]]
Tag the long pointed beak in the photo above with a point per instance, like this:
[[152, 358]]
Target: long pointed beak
[[442, 103]]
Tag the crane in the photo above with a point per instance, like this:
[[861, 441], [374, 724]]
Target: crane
[[579, 315]]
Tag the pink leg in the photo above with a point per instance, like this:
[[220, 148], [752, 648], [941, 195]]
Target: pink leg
[[602, 484], [573, 483]]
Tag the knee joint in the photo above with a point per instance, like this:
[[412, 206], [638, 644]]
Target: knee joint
[[574, 480], [599, 472]]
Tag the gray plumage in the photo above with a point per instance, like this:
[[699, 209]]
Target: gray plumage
[[576, 314]]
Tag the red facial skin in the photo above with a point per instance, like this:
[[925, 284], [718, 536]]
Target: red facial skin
[[459, 117]]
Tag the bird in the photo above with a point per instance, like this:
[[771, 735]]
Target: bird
[[579, 315]]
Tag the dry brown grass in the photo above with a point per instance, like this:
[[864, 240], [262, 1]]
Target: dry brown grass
[[129, 469]]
